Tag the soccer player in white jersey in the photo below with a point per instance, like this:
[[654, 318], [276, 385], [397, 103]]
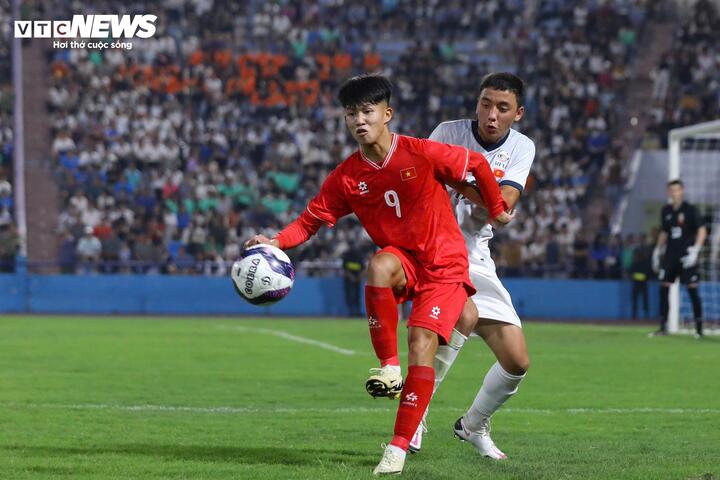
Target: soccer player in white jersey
[[510, 154]]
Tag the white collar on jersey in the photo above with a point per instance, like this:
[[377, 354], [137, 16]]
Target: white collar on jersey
[[489, 147], [386, 160]]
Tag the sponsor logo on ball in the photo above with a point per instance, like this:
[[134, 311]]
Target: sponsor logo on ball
[[250, 278]]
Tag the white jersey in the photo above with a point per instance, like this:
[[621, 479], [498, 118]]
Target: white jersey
[[510, 160]]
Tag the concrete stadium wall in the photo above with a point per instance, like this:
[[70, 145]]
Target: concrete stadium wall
[[155, 294], [648, 194]]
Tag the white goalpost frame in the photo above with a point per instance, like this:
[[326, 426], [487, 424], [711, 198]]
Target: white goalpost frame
[[19, 137], [675, 138]]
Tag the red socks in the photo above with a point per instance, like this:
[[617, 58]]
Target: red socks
[[414, 400], [383, 319]]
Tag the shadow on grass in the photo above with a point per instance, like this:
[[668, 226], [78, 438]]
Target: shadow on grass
[[691, 339], [268, 455]]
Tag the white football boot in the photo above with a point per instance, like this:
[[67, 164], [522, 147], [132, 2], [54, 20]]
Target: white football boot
[[392, 462], [416, 441], [480, 438], [384, 382]]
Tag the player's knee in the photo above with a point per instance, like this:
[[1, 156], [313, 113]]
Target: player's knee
[[383, 269], [421, 347], [419, 344], [524, 364], [518, 364]]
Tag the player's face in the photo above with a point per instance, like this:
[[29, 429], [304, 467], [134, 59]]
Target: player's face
[[496, 111], [675, 192], [367, 122]]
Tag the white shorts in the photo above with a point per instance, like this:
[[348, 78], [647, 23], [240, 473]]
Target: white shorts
[[492, 299]]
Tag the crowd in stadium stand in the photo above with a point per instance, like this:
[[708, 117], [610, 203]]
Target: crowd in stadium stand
[[224, 124], [686, 83], [8, 233]]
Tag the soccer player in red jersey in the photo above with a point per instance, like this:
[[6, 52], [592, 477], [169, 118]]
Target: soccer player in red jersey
[[396, 187]]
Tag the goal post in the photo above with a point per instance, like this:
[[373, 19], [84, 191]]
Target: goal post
[[694, 158]]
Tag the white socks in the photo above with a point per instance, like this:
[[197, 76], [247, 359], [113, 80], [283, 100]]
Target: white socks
[[497, 387], [446, 355]]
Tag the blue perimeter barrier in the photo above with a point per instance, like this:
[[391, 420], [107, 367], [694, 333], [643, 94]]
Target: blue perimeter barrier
[[311, 296]]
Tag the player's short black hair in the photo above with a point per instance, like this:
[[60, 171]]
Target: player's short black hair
[[363, 89], [506, 82], [677, 181]]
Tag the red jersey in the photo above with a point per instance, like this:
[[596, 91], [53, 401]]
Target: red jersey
[[404, 203]]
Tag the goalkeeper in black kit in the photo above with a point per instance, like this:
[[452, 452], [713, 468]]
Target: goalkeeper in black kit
[[681, 237]]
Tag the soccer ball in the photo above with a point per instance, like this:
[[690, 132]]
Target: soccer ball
[[263, 275]]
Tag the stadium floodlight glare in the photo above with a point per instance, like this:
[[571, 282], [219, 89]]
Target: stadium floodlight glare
[[694, 157]]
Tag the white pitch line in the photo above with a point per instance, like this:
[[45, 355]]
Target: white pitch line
[[182, 408], [274, 410], [289, 336], [575, 411]]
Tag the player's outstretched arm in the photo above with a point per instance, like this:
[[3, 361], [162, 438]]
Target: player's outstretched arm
[[486, 191], [297, 233], [327, 206], [452, 164], [472, 193], [488, 188]]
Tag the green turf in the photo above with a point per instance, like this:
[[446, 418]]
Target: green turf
[[300, 411]]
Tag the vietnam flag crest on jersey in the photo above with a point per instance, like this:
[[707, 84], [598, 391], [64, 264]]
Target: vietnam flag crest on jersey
[[408, 173]]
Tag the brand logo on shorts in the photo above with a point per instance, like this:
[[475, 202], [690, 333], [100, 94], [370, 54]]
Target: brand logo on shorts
[[411, 399], [435, 312], [373, 322]]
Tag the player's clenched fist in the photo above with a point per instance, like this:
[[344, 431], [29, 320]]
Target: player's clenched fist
[[503, 219]]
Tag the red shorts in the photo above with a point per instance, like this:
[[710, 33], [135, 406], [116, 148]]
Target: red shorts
[[436, 306]]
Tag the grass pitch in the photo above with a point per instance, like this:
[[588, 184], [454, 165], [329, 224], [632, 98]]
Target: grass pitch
[[278, 399]]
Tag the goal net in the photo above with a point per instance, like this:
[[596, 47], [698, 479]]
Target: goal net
[[694, 157]]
